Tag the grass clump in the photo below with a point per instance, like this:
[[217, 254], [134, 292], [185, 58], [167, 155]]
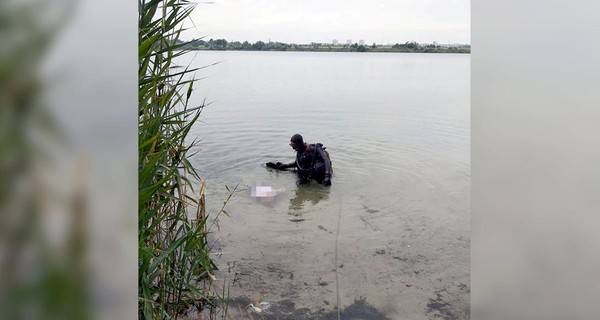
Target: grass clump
[[175, 268]]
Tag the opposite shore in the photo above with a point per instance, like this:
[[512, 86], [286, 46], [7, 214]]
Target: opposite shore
[[222, 44]]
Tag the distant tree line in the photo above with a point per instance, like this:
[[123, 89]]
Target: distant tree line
[[412, 46], [433, 47], [222, 44], [406, 45]]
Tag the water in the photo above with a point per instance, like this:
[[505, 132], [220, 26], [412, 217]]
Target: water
[[397, 129]]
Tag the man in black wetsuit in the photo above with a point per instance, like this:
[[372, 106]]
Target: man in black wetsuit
[[312, 162]]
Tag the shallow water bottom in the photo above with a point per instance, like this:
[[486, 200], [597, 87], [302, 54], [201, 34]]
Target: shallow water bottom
[[311, 249]]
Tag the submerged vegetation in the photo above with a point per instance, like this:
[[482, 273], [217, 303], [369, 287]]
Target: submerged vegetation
[[175, 267]]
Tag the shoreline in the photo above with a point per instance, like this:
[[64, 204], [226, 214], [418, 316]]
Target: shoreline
[[408, 47], [443, 51], [345, 51]]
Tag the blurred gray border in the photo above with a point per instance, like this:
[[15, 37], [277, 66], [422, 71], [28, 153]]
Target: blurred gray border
[[92, 74], [535, 159]]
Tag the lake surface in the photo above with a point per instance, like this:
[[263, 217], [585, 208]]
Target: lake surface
[[395, 222]]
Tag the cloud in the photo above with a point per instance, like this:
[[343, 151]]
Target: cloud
[[311, 20]]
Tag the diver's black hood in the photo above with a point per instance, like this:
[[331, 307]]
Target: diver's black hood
[[297, 142]]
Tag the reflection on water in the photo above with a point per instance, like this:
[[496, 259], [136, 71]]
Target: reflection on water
[[311, 194]]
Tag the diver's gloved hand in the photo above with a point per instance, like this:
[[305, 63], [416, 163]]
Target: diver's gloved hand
[[327, 180], [277, 165], [272, 165]]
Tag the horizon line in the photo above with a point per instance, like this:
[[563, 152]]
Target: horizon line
[[331, 42]]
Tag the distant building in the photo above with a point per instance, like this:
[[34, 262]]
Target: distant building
[[335, 42], [361, 42], [349, 41]]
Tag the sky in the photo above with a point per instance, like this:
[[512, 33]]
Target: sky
[[305, 21]]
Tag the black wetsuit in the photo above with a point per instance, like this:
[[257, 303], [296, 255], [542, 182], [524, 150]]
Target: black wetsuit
[[312, 163]]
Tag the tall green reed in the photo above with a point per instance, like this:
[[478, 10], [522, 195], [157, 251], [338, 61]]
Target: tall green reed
[[175, 267]]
